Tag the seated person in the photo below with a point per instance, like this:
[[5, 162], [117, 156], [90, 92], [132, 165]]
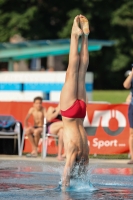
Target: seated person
[[34, 133], [55, 126]]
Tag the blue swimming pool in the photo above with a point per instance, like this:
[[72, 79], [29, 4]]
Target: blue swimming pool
[[25, 180]]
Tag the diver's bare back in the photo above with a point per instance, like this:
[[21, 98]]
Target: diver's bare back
[[74, 131], [38, 116]]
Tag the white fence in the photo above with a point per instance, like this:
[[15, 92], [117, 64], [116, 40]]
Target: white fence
[[24, 86]]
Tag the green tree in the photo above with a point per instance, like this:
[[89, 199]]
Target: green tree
[[122, 21], [33, 19], [109, 20]]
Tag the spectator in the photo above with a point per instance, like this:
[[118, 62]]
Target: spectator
[[128, 99], [128, 83], [34, 132], [55, 126]]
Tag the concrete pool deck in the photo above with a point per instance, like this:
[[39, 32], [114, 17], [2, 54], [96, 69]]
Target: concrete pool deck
[[115, 163]]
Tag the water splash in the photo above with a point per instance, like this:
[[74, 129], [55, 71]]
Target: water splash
[[80, 178], [76, 185]]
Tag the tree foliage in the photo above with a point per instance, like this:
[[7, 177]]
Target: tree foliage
[[109, 20]]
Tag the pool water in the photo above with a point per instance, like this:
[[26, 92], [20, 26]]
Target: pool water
[[25, 180]]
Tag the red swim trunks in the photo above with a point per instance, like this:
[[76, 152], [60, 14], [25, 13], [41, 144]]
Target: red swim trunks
[[77, 110]]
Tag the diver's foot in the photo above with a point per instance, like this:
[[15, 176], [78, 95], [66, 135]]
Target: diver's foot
[[130, 162], [84, 24], [75, 28]]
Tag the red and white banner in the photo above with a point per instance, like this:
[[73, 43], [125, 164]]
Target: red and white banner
[[106, 125], [107, 128]]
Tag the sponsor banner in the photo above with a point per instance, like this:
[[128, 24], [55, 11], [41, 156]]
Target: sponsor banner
[[106, 126]]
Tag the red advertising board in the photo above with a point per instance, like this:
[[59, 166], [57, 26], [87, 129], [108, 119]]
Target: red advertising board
[[106, 126]]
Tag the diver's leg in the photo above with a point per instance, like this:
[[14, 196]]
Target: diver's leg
[[69, 91], [84, 58]]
